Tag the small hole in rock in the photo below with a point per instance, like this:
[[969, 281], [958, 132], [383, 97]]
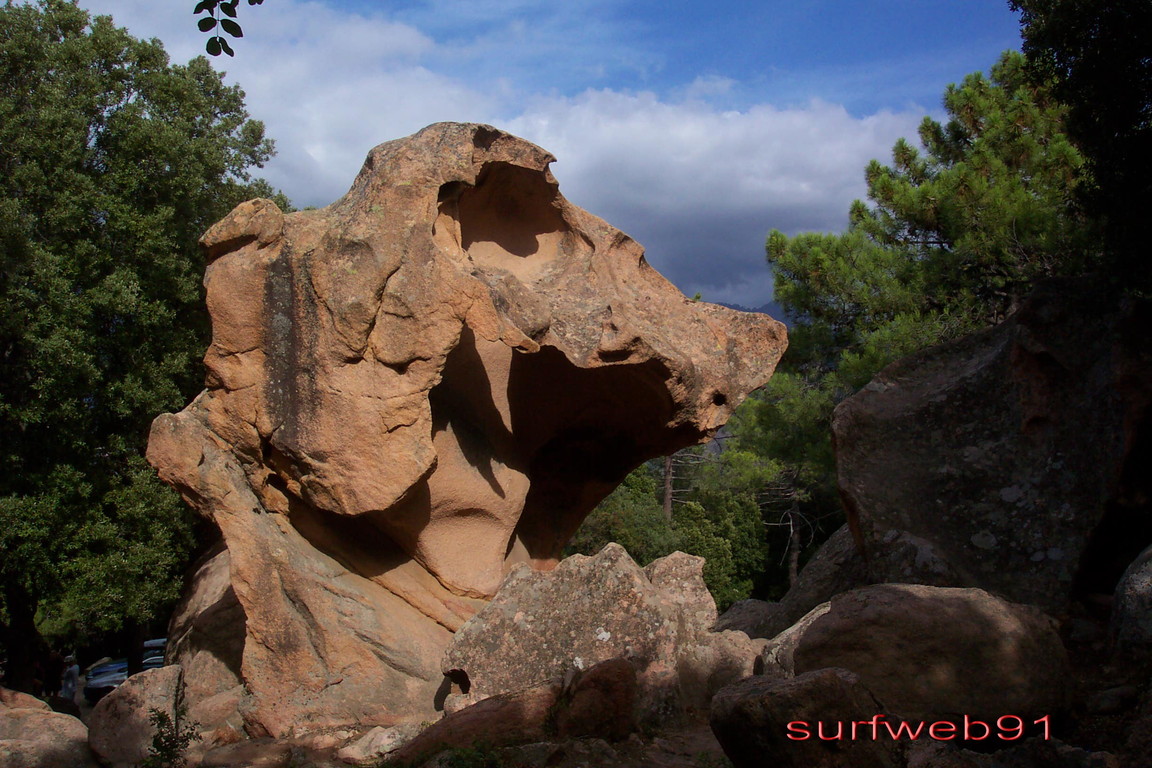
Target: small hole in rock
[[460, 679], [719, 399]]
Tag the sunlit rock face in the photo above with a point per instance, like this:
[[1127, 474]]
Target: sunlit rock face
[[412, 390]]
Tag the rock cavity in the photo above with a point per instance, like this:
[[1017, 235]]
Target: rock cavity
[[408, 393]]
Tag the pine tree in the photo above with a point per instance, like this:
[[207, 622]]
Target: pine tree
[[956, 233]]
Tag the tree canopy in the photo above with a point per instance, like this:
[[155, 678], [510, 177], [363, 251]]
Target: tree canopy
[[716, 514], [954, 233], [1098, 58], [112, 163]]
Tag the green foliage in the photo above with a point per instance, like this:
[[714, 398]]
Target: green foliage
[[112, 163], [963, 227], [956, 233], [631, 516], [729, 536], [716, 517], [170, 741]]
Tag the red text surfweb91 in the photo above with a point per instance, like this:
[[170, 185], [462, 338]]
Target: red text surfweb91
[[1006, 728]]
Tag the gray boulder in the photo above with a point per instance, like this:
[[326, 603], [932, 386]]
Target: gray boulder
[[1132, 608], [548, 625], [990, 461]]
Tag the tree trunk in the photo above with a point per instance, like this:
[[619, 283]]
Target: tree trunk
[[668, 488], [793, 545], [22, 642], [133, 638]]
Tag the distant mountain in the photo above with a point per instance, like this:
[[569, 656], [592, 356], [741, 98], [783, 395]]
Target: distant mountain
[[771, 308]]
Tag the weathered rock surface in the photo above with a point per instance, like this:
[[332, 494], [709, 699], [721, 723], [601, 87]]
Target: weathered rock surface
[[371, 748], [545, 720], [1029, 753], [778, 657], [119, 729], [752, 720], [753, 617], [258, 753], [510, 718], [1132, 608], [599, 703], [33, 736], [10, 699], [931, 653], [410, 392], [206, 634], [712, 661], [543, 625], [998, 461]]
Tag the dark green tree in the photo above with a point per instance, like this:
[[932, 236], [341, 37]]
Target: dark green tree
[[1098, 55], [715, 515], [956, 233], [632, 517], [112, 163], [963, 226]]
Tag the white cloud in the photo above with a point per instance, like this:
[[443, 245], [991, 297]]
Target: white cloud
[[707, 87], [328, 85], [699, 186]]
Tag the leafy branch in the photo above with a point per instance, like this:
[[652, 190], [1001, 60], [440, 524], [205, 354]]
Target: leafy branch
[[171, 738], [221, 16]]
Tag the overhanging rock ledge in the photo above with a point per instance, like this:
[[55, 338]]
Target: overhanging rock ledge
[[408, 392]]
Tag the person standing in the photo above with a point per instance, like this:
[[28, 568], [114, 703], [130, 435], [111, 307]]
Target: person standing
[[71, 678]]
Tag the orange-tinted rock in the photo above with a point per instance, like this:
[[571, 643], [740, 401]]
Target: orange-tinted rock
[[411, 391], [519, 717], [31, 737], [206, 634], [10, 699], [600, 703]]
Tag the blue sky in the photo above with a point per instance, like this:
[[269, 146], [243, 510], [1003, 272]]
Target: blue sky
[[865, 55], [694, 127]]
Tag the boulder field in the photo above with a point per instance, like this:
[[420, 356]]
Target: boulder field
[[995, 561]]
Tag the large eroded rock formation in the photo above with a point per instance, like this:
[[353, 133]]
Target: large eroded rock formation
[[410, 391]]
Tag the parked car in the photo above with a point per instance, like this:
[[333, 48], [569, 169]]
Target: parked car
[[104, 678]]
